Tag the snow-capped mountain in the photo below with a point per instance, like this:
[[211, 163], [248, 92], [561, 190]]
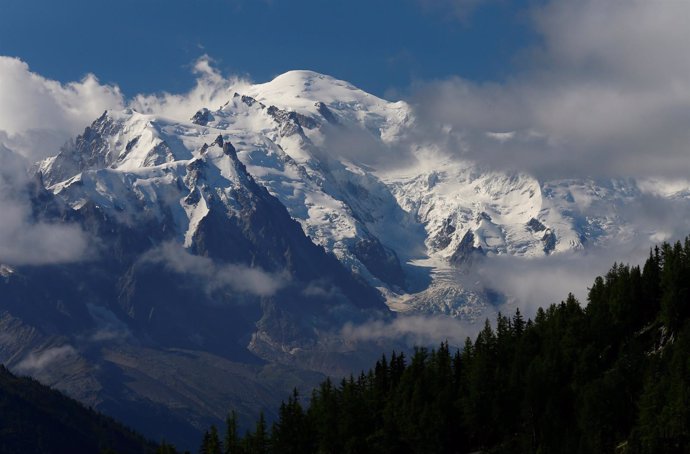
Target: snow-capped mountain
[[243, 239], [345, 165]]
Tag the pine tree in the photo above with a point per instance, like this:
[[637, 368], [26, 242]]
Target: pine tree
[[259, 440], [291, 434], [231, 443], [211, 442]]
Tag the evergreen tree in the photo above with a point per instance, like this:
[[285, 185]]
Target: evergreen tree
[[211, 442], [231, 444], [290, 433]]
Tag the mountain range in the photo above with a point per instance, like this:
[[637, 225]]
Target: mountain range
[[227, 253]]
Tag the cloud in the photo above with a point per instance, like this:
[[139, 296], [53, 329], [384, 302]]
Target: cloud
[[606, 93], [37, 361], [533, 282], [414, 330], [38, 115], [25, 240], [211, 90], [108, 326], [217, 276], [359, 145]]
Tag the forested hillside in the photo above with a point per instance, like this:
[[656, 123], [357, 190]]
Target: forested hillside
[[612, 375], [37, 419]]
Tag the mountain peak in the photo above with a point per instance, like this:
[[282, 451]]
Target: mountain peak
[[302, 79], [301, 89]]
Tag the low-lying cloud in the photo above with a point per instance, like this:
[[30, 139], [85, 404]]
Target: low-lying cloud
[[537, 282], [36, 362], [531, 283], [413, 330], [216, 276], [25, 240], [109, 327]]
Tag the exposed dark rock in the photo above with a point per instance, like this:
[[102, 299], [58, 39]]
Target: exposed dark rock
[[535, 226], [131, 144], [291, 122], [483, 216], [549, 241], [229, 150], [193, 198], [381, 261], [444, 236], [432, 179], [465, 251], [326, 113], [248, 100], [202, 117]]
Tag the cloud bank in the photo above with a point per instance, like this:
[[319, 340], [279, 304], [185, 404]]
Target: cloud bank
[[37, 361], [606, 93], [38, 115], [412, 330], [239, 278], [25, 240]]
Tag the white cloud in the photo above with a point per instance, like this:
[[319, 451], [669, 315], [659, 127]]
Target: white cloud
[[25, 243], [607, 93], [217, 276], [413, 330], [211, 90], [23, 239], [38, 115], [531, 283], [37, 361], [108, 327]]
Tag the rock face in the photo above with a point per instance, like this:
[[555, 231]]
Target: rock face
[[241, 241], [462, 256]]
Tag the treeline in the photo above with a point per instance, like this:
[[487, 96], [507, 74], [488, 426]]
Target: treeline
[[612, 376]]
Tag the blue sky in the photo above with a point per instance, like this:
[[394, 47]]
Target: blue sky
[[149, 45]]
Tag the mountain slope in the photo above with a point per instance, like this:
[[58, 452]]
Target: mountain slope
[[36, 419]]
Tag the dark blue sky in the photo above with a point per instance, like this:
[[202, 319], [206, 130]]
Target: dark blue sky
[[149, 45]]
